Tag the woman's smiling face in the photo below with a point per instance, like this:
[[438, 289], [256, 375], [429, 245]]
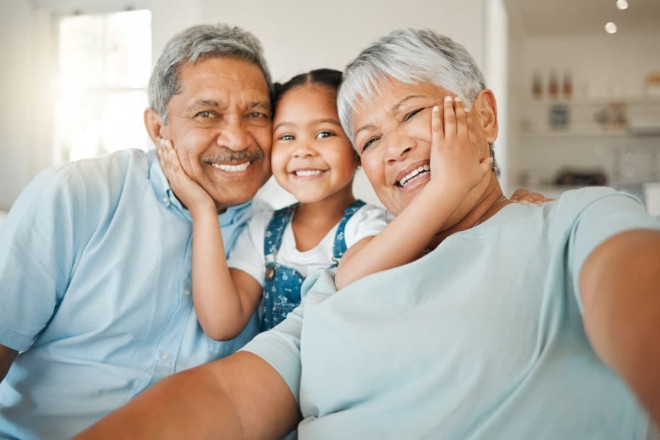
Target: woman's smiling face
[[393, 139]]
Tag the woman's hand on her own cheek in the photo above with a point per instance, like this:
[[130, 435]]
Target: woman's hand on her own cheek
[[455, 159], [522, 195], [191, 194]]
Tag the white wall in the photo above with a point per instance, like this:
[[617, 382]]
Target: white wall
[[16, 120], [297, 36]]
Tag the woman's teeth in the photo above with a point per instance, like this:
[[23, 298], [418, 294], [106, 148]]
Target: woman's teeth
[[414, 173]]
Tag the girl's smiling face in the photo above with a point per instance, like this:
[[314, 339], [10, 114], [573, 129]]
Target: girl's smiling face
[[311, 156]]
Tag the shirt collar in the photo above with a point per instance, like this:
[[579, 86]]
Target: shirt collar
[[165, 196]]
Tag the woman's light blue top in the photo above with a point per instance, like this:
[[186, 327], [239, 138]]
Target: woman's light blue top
[[481, 339]]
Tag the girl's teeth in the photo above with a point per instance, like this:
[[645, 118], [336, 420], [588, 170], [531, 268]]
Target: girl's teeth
[[305, 173]]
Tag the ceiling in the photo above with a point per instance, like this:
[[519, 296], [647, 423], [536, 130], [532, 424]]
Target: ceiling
[[539, 18]]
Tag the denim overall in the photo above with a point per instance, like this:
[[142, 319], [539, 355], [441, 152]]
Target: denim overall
[[281, 283]]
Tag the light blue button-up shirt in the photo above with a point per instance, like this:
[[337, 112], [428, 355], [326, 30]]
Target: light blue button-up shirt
[[95, 292]]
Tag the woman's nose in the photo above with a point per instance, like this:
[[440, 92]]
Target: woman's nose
[[398, 146]]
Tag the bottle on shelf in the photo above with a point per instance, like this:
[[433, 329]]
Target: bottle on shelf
[[537, 86], [553, 85], [567, 85]]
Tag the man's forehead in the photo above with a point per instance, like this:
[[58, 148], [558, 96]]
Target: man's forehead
[[222, 73]]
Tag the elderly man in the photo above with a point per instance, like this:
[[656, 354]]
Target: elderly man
[[95, 256], [513, 321]]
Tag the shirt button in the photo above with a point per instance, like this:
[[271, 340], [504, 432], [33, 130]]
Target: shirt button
[[165, 199], [186, 292], [165, 356]]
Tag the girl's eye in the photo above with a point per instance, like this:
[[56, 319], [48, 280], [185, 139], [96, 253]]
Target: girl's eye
[[286, 137], [368, 143], [324, 134], [412, 114]]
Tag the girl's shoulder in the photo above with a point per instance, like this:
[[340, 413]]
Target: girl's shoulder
[[367, 221], [372, 211]]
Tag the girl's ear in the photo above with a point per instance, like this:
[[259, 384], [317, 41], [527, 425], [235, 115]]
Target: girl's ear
[[486, 108], [153, 124]]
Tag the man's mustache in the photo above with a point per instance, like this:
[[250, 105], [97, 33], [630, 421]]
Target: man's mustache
[[233, 156]]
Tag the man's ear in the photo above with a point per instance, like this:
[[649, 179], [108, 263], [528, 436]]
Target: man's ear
[[154, 125], [486, 107]]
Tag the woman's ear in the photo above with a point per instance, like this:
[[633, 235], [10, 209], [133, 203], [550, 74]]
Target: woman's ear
[[486, 108], [153, 124]]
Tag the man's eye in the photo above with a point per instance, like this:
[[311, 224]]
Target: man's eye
[[324, 134], [258, 115], [205, 114]]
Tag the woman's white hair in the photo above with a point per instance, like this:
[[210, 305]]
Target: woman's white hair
[[410, 56]]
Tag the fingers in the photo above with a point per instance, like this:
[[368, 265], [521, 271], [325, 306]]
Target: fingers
[[518, 194], [169, 159], [450, 116], [461, 120], [437, 131], [525, 196]]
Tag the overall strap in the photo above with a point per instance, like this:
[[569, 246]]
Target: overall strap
[[340, 240], [275, 230]]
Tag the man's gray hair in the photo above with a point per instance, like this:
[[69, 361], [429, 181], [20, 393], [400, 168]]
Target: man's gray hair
[[193, 44], [412, 57]]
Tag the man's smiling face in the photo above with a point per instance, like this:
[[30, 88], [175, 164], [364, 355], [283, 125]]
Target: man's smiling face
[[220, 125]]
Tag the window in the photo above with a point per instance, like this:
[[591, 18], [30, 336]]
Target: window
[[104, 65]]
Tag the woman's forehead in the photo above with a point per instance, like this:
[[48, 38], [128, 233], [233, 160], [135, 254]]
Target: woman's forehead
[[390, 98]]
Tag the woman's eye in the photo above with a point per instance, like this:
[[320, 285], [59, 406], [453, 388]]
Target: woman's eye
[[368, 143], [412, 114], [324, 134]]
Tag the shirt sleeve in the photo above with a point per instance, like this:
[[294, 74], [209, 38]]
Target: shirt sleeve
[[248, 251], [366, 222], [37, 253], [604, 217]]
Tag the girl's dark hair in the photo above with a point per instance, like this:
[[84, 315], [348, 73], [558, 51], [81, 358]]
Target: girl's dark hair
[[329, 78]]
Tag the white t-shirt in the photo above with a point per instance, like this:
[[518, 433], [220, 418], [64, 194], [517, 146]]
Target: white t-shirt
[[248, 252]]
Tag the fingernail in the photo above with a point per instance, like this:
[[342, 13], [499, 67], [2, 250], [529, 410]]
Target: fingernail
[[447, 98], [457, 99], [436, 108]]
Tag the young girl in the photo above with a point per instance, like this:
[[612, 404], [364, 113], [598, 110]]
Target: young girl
[[313, 159]]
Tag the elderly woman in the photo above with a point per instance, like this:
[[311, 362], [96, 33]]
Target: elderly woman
[[513, 320]]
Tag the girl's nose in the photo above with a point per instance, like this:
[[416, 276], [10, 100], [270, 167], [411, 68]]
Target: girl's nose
[[303, 149]]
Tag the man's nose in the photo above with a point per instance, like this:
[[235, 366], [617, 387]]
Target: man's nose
[[233, 135]]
